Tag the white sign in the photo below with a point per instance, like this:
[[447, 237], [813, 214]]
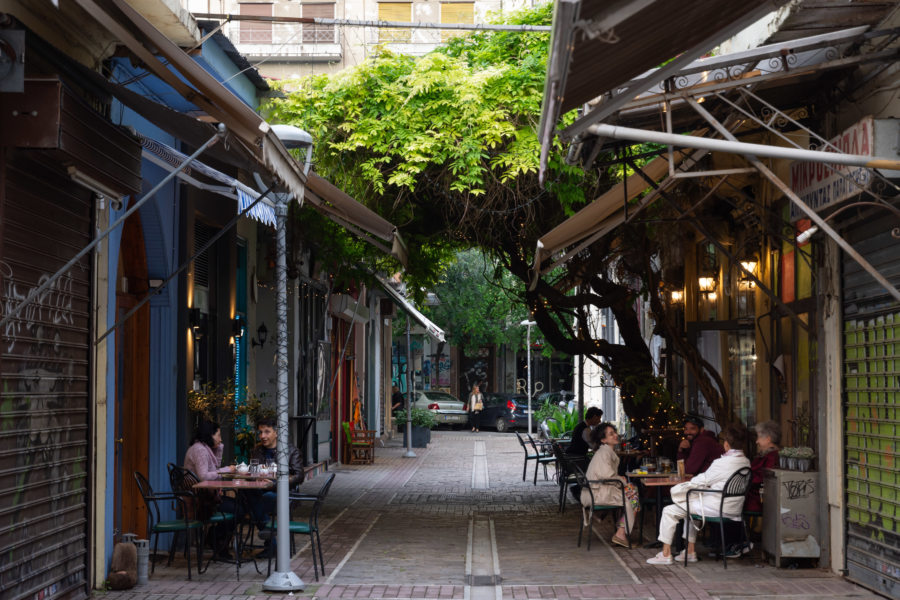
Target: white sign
[[823, 185]]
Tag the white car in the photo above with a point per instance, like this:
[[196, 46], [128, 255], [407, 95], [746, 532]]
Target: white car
[[446, 408]]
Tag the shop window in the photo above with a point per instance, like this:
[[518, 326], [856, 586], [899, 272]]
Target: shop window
[[742, 361], [395, 11], [456, 12], [319, 34], [256, 32]]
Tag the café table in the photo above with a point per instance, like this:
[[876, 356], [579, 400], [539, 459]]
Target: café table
[[240, 484], [661, 481]]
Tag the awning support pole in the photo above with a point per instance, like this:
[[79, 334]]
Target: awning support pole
[[813, 215], [282, 579], [220, 134], [409, 393]]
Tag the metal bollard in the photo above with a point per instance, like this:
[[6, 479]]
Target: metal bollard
[[143, 561]]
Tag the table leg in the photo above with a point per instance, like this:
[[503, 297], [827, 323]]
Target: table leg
[[657, 543]]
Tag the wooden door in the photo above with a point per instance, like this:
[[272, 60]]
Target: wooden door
[[132, 424]]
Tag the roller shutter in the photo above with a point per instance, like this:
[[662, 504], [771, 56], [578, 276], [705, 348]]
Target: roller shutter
[[44, 366]]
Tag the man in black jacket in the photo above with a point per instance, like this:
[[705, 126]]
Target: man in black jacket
[[581, 443], [265, 452]]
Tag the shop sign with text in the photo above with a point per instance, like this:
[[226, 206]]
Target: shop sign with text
[[823, 185]]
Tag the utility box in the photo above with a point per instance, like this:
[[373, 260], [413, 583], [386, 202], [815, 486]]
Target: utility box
[[790, 517]]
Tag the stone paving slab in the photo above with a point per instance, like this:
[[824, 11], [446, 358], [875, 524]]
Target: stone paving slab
[[398, 529]]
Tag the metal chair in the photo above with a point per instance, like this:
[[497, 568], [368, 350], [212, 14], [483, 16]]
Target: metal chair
[[528, 454], [585, 484], [182, 481], [564, 473], [310, 526], [542, 456], [735, 487], [156, 526]]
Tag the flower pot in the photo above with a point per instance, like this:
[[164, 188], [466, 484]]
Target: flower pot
[[803, 464], [783, 462], [792, 463], [420, 436]]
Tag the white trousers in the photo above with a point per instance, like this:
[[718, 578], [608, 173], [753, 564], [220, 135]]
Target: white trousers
[[671, 515]]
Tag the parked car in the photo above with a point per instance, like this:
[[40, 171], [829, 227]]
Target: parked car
[[447, 409], [504, 411], [562, 398]]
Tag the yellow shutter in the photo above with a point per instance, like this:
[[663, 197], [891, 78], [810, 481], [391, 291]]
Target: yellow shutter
[[456, 12], [395, 11]]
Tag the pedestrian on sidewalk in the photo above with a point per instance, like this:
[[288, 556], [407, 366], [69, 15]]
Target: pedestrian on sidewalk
[[475, 406]]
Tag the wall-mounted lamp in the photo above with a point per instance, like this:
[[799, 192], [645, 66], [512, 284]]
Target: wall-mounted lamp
[[195, 322], [744, 281], [706, 284], [261, 334], [237, 327], [804, 235], [677, 296]]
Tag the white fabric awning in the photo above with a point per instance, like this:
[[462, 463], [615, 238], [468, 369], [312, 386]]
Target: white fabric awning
[[169, 158], [430, 328]]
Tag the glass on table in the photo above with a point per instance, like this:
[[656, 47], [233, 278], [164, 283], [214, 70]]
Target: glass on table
[[665, 465], [254, 466], [649, 464]]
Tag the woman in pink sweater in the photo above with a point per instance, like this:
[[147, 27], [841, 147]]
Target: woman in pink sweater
[[204, 456]]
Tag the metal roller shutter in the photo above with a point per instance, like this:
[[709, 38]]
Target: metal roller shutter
[[44, 401], [872, 393]]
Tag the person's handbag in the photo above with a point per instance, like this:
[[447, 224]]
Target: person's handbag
[[479, 405]]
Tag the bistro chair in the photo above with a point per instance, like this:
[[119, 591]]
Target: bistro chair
[[360, 445], [542, 455], [308, 527], [183, 524], [182, 481], [528, 453], [585, 484], [565, 473], [735, 487]]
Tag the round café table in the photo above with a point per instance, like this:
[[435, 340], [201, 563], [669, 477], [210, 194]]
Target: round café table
[[661, 481]]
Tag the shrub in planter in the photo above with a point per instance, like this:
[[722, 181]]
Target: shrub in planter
[[422, 422]]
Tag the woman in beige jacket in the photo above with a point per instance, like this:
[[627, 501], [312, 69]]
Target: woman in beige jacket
[[605, 465]]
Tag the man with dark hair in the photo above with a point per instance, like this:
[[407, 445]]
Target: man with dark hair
[[265, 452], [581, 435], [699, 448], [397, 400], [718, 474]]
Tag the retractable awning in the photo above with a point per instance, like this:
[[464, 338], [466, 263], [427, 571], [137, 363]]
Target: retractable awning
[[598, 46], [430, 328]]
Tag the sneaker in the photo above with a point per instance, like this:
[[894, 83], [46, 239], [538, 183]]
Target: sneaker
[[265, 534], [738, 550], [660, 559], [691, 558]]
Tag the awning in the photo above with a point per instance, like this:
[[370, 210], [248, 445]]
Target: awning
[[597, 46], [190, 80], [430, 328]]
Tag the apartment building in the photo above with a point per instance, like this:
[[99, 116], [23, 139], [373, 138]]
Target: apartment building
[[286, 50]]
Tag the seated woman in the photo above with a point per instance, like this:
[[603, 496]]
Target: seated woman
[[203, 459], [605, 465], [768, 436]]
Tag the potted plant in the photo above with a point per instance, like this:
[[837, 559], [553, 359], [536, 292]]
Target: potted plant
[[787, 458], [422, 422], [804, 456]]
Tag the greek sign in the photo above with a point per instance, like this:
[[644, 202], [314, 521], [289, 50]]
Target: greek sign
[[823, 185]]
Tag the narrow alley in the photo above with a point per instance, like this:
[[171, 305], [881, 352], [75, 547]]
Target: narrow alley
[[458, 522]]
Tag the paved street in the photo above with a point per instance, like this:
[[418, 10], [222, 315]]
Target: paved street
[[459, 522]]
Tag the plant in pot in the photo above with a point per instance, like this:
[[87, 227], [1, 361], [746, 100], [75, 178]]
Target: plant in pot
[[422, 422], [787, 458], [804, 457]]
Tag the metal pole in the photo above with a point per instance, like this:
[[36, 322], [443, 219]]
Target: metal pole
[[379, 24], [731, 145], [409, 391], [282, 579], [528, 342], [52, 279], [813, 215]]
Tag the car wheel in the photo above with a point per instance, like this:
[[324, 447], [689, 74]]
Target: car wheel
[[501, 425]]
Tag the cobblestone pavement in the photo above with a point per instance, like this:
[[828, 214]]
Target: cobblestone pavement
[[410, 528]]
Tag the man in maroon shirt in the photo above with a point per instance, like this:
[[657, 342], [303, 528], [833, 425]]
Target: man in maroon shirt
[[699, 448]]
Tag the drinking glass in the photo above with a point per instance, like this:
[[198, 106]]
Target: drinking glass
[[665, 465], [254, 466], [272, 466], [649, 464]]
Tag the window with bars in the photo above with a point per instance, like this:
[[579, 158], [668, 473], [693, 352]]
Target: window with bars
[[395, 11], [256, 32], [456, 12], [319, 34]]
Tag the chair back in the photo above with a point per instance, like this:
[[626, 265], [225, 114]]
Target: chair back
[[319, 499], [534, 444], [736, 486], [182, 480], [521, 441], [146, 491]]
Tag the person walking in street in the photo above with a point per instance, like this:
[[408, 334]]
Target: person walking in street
[[715, 478], [605, 465], [475, 406], [699, 448]]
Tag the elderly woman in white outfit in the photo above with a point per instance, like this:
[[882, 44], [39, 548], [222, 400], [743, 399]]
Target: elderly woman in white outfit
[[605, 465], [715, 478]]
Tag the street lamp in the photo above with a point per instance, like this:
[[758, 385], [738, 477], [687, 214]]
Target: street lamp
[[528, 324]]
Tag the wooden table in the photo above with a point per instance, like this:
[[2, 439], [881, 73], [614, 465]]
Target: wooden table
[[661, 481], [239, 485]]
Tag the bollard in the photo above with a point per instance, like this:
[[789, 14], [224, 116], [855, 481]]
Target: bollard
[[143, 561], [128, 538]]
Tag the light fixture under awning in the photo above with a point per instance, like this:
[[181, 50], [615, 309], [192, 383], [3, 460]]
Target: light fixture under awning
[[433, 330]]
